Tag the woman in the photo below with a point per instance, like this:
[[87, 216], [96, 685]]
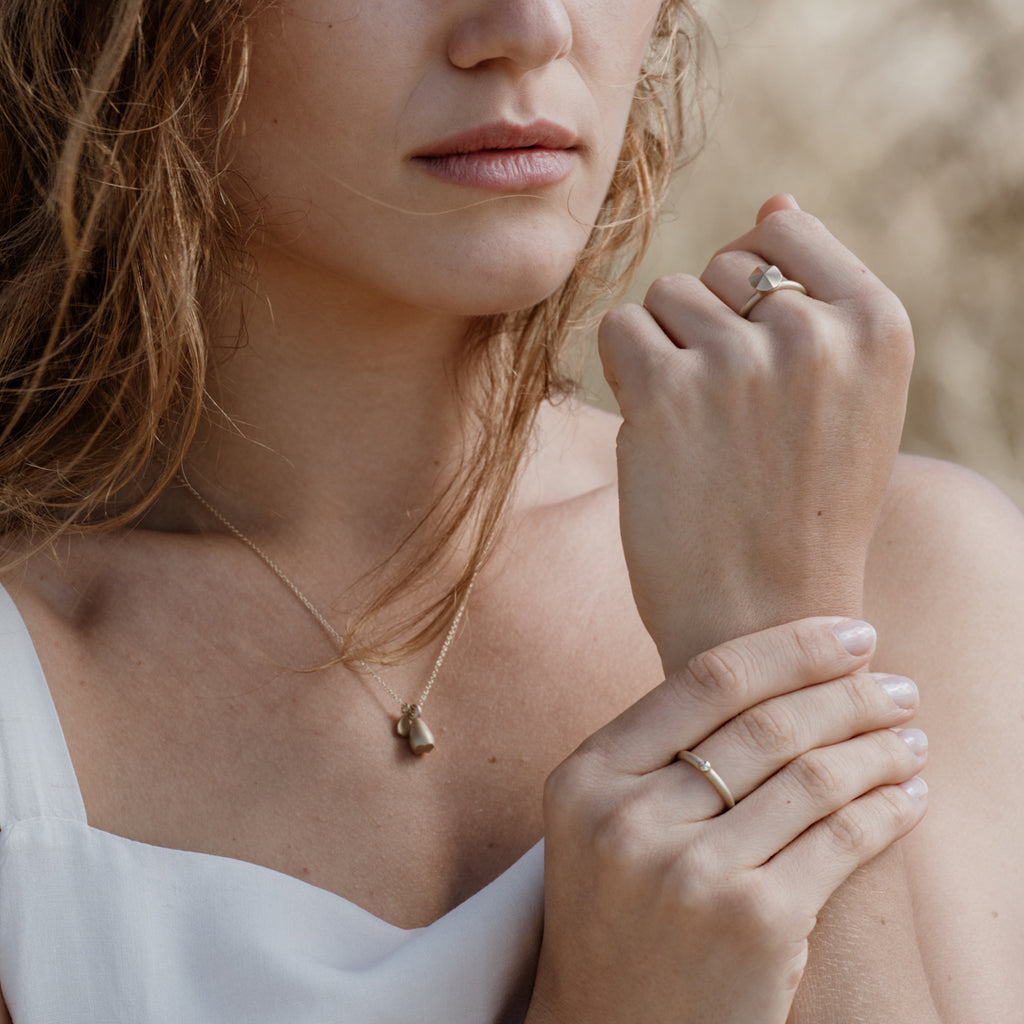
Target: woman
[[258, 263]]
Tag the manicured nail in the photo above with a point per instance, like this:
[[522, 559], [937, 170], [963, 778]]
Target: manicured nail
[[915, 739], [902, 690], [856, 636], [915, 787]]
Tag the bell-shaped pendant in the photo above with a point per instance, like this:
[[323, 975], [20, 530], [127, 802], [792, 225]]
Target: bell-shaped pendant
[[412, 728], [421, 739]]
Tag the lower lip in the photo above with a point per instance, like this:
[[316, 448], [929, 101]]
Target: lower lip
[[502, 169]]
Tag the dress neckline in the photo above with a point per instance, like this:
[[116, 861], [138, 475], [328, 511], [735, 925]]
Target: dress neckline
[[41, 699]]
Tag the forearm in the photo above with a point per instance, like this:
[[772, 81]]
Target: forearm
[[864, 964]]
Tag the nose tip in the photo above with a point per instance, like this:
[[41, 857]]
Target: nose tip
[[526, 34]]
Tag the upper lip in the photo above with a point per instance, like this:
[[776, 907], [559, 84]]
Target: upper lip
[[502, 135]]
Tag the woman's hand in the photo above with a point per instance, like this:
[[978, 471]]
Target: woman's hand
[[755, 453], [658, 908]]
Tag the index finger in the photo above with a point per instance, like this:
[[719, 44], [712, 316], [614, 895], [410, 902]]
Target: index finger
[[720, 683], [806, 251]]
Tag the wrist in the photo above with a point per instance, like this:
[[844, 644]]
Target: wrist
[[724, 618]]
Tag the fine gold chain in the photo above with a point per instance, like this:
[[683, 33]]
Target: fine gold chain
[[410, 726]]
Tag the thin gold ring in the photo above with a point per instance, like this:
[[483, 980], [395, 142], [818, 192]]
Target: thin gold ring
[[765, 281], [709, 773]]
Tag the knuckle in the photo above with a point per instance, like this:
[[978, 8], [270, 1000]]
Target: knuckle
[[560, 792], [846, 829], [809, 640], [767, 728], [670, 289], [896, 809], [692, 880], [809, 329], [864, 697], [619, 326], [888, 317], [567, 789], [782, 227], [815, 776], [622, 838], [887, 324], [741, 372], [893, 753], [758, 910], [819, 347], [720, 676], [634, 356]]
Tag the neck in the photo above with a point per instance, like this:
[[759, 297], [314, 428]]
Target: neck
[[335, 408]]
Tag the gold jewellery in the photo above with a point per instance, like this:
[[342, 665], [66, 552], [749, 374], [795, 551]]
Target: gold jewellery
[[709, 773], [410, 725], [767, 280]]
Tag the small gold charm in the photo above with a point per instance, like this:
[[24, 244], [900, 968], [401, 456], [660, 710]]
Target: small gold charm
[[421, 739], [412, 728]]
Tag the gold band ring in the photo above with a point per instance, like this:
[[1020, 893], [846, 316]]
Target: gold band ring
[[709, 773], [765, 281]]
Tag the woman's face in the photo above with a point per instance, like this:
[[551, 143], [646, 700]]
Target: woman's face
[[448, 154]]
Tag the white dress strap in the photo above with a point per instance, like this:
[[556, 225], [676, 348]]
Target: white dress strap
[[37, 778]]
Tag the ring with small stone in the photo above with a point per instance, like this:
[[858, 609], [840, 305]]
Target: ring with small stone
[[709, 773], [765, 281]]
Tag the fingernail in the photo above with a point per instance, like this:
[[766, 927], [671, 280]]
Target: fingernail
[[915, 787], [792, 199], [915, 739], [857, 637], [902, 690]]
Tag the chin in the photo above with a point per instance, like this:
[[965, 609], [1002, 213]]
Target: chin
[[510, 285]]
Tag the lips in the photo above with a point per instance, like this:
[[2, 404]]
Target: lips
[[502, 156]]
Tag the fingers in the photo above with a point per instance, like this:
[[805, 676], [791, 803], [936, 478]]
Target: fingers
[[634, 350], [719, 684], [729, 274], [806, 251], [751, 748], [818, 785], [636, 343], [823, 857]]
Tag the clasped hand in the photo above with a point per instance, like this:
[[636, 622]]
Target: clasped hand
[[754, 453], [754, 456], [658, 907]]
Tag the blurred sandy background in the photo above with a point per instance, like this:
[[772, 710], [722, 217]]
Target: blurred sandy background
[[901, 124]]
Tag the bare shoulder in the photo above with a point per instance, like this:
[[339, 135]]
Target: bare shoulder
[[930, 493], [574, 453], [945, 582], [945, 589], [943, 524]]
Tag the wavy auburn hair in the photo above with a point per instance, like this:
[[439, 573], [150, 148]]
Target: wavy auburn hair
[[115, 234]]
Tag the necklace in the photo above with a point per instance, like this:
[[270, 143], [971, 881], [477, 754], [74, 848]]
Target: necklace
[[410, 725]]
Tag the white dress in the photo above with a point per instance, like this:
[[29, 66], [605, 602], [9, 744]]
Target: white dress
[[96, 928]]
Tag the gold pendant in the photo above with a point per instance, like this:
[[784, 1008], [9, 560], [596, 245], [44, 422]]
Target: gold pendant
[[412, 728]]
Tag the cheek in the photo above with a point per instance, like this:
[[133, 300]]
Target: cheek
[[612, 40], [323, 81]]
